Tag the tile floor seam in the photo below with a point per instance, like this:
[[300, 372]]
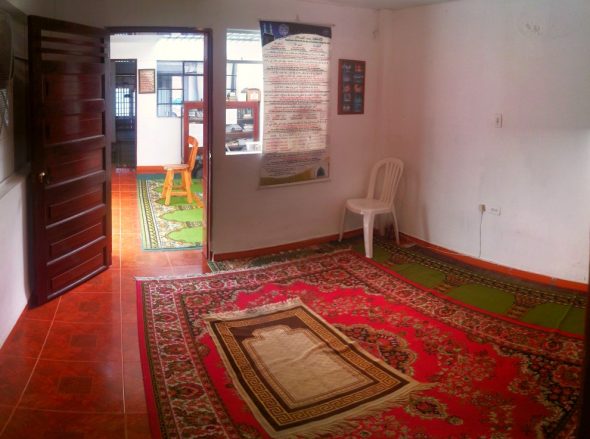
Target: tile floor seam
[[73, 322], [32, 372], [71, 412], [58, 360], [120, 275]]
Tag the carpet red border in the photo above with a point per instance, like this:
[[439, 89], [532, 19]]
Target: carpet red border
[[150, 399], [152, 409]]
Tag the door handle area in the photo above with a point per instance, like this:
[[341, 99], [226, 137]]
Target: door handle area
[[42, 177]]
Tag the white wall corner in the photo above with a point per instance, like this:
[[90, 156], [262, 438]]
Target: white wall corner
[[14, 288]]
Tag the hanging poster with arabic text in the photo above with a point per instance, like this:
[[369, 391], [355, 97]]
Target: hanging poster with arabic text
[[296, 61]]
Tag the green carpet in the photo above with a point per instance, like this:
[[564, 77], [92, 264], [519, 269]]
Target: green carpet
[[528, 302], [177, 226]]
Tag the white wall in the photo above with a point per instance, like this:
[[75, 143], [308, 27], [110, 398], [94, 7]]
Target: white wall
[[448, 69], [245, 217], [159, 139], [14, 288]]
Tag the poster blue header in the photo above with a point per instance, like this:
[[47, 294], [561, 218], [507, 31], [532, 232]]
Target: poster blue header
[[274, 30]]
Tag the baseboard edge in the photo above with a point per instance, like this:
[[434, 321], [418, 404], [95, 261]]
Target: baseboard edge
[[515, 272], [283, 247]]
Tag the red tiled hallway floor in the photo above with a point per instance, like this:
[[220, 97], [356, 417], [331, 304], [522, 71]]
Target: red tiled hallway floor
[[70, 368]]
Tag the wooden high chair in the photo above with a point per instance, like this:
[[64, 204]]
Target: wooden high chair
[[185, 170]]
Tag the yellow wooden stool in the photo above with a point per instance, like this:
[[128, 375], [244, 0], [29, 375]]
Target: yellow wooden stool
[[184, 170]]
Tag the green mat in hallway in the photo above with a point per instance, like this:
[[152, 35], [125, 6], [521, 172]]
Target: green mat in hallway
[[177, 226], [528, 302]]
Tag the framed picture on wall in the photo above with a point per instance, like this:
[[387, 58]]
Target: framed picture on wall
[[351, 86], [146, 79]]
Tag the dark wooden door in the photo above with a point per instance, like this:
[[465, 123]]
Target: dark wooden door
[[208, 133], [70, 185]]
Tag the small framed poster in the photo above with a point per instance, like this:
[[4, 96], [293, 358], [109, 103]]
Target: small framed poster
[[351, 86], [147, 80]]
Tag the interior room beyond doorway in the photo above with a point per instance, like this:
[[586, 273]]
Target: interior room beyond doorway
[[170, 69], [157, 77]]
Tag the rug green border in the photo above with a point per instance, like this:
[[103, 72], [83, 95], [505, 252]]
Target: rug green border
[[146, 222]]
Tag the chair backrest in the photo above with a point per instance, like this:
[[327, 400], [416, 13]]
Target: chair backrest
[[389, 172], [192, 157]]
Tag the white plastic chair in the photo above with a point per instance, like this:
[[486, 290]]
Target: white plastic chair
[[378, 200]]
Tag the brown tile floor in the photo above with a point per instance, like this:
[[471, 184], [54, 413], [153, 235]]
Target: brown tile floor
[[71, 369]]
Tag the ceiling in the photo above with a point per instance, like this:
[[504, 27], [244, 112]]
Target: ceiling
[[380, 4]]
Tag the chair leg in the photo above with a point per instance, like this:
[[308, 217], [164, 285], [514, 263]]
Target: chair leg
[[167, 188], [395, 225], [186, 175], [342, 218], [368, 222], [381, 220]]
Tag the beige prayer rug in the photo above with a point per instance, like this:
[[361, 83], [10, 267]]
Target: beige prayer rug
[[298, 374]]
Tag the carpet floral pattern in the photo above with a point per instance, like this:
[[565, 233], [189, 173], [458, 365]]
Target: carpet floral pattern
[[548, 306], [176, 226], [492, 376]]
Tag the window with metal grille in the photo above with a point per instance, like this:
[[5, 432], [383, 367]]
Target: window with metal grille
[[178, 81], [123, 106]]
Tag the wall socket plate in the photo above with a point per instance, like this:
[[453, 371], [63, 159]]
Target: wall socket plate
[[494, 210], [489, 209]]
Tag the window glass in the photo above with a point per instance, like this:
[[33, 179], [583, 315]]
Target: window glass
[[191, 67], [243, 90], [178, 81]]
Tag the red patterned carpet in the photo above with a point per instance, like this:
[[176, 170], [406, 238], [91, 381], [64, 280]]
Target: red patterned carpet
[[491, 377]]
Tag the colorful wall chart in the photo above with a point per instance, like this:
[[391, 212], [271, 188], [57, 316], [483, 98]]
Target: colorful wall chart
[[351, 86], [296, 62]]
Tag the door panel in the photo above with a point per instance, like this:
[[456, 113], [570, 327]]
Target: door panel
[[60, 87], [71, 156], [92, 161], [70, 243], [75, 233], [65, 271], [62, 128], [74, 205]]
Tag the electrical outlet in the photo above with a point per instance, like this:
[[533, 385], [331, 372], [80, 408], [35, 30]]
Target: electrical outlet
[[495, 211]]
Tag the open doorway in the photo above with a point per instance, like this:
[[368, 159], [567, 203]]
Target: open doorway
[[158, 74], [124, 146]]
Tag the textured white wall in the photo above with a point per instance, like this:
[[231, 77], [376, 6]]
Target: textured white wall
[[448, 69], [14, 287]]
